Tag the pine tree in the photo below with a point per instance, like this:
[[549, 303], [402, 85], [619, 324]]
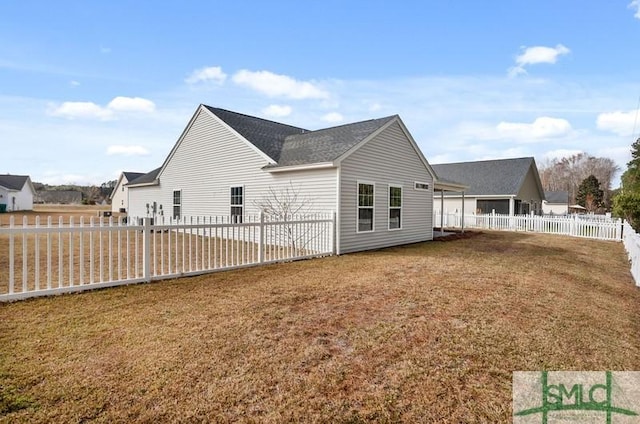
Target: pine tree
[[589, 194]]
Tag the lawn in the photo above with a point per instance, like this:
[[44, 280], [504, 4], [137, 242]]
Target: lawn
[[422, 333]]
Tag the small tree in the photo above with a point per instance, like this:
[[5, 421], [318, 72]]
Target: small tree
[[589, 194], [626, 203], [286, 204]]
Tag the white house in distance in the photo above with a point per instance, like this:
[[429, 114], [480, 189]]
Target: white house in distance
[[371, 173], [555, 203], [120, 196], [16, 193], [506, 186]]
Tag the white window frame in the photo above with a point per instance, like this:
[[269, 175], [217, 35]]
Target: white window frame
[[178, 205], [389, 207], [372, 207], [232, 216], [415, 186]]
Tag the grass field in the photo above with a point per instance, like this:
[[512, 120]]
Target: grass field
[[423, 333]]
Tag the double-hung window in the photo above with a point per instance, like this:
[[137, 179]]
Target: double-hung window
[[365, 207], [395, 207], [237, 204], [177, 204]]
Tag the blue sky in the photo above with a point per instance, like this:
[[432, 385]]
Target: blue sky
[[89, 89]]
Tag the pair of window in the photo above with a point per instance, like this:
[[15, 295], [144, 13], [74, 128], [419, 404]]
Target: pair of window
[[236, 201], [366, 197]]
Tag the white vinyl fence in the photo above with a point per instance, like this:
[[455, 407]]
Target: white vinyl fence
[[631, 241], [587, 226], [40, 259]]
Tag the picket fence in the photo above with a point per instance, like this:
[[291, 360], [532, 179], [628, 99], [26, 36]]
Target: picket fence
[[631, 241], [65, 256], [600, 228]]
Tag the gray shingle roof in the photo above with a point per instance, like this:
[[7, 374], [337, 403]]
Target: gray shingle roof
[[288, 145], [557, 196], [146, 178], [130, 176], [328, 144], [13, 182], [488, 177], [268, 136]]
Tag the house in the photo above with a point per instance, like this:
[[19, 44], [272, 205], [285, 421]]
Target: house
[[506, 186], [59, 197], [16, 193], [555, 203], [371, 174], [120, 196]]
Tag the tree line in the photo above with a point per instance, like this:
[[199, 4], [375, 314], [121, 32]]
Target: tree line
[[91, 194], [586, 178]]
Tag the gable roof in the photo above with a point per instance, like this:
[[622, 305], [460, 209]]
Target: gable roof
[[267, 136], [557, 196], [130, 176], [145, 179], [488, 177], [13, 182], [288, 145]]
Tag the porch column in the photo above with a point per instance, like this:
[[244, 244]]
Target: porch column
[[511, 206]]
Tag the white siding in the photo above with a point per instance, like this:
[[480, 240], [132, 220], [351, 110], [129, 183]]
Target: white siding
[[18, 200], [454, 204], [389, 158], [210, 159], [120, 197], [529, 191]]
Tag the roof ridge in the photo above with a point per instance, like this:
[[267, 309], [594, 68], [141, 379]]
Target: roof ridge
[[211, 108], [485, 160]]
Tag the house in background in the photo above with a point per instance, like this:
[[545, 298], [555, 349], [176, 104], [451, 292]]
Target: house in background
[[120, 194], [16, 193], [555, 203], [371, 173], [506, 186]]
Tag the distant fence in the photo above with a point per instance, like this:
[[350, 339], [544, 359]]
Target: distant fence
[[40, 259], [600, 228], [631, 241]]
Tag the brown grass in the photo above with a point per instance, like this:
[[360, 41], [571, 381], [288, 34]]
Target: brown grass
[[423, 333]]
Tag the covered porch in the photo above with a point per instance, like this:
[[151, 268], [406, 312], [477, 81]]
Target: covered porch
[[441, 186]]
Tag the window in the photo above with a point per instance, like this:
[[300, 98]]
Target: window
[[237, 204], [177, 204], [395, 207], [365, 207], [421, 186]]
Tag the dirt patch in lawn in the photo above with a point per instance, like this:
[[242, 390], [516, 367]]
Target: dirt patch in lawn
[[422, 333]]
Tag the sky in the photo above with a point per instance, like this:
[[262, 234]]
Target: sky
[[90, 89]]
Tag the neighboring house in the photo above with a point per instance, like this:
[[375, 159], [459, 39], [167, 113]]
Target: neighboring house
[[506, 186], [120, 194], [555, 203], [59, 197], [16, 193], [371, 173]]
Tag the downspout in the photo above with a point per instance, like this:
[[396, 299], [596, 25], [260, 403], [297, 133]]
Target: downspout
[[338, 212], [441, 212], [462, 223]]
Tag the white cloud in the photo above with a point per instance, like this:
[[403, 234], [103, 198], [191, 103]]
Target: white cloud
[[127, 150], [333, 118], [374, 107], [74, 83], [618, 122], [543, 127], [535, 55], [105, 50], [90, 110], [81, 110], [274, 85], [212, 73], [131, 104], [560, 153], [277, 111], [635, 4]]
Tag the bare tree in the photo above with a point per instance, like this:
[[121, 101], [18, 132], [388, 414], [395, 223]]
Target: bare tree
[[566, 174], [285, 204]]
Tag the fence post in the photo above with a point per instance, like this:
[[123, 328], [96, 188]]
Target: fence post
[[146, 249], [261, 239], [334, 251]]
